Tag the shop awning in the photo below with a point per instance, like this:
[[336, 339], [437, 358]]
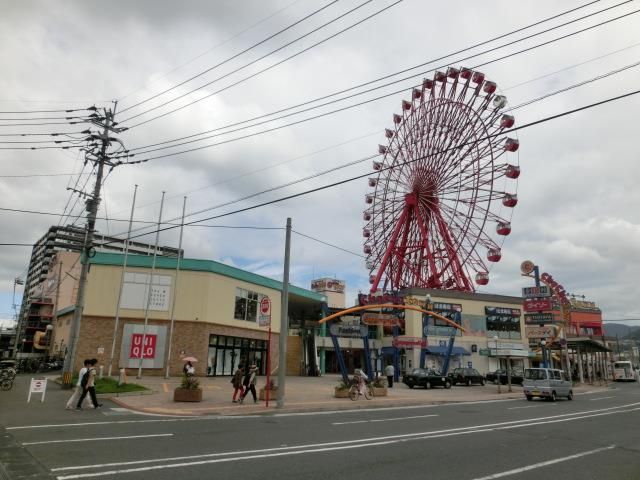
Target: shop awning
[[443, 351]]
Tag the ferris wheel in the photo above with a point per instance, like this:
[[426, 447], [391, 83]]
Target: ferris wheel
[[441, 203]]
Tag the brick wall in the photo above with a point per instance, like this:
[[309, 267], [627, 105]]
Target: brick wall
[[189, 337]]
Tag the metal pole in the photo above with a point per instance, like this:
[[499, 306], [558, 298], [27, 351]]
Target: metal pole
[[124, 271], [284, 318], [92, 208], [149, 288], [175, 289]]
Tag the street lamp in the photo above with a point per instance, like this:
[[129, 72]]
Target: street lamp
[[543, 343], [498, 379]]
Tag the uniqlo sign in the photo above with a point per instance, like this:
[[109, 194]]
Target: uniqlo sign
[[149, 350]]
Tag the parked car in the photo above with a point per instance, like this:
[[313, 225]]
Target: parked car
[[546, 383], [425, 377], [501, 376], [466, 376]]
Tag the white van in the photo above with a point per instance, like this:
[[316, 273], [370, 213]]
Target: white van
[[546, 383]]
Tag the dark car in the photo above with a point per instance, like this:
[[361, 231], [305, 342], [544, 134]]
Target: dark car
[[425, 377], [501, 376], [466, 376]]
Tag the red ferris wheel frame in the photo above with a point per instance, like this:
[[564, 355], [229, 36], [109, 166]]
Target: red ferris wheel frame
[[438, 187]]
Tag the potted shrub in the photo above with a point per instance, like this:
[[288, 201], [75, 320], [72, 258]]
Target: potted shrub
[[342, 390], [273, 391], [188, 391], [379, 387]]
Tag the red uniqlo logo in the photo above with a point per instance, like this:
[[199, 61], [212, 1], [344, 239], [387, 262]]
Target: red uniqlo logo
[[149, 350]]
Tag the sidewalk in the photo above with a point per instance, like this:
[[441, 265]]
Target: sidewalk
[[304, 394]]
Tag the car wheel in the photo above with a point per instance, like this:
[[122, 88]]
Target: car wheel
[[570, 396], [553, 397], [447, 384], [529, 397], [427, 385], [468, 382], [410, 384]]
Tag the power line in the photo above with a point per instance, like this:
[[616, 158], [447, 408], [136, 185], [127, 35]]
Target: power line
[[321, 173], [401, 72], [215, 47], [328, 244], [259, 72], [6, 112], [228, 59], [351, 106], [40, 175], [358, 177]]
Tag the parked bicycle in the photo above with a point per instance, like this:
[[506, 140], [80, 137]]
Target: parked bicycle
[[360, 385], [6, 383]]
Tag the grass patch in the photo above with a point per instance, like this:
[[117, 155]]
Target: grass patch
[[109, 385]]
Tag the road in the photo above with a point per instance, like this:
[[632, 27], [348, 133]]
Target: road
[[592, 437]]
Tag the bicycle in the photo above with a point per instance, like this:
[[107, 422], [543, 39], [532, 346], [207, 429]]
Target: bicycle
[[360, 388], [6, 384]]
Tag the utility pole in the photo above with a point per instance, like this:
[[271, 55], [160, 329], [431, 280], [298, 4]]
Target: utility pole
[[284, 319], [101, 158]]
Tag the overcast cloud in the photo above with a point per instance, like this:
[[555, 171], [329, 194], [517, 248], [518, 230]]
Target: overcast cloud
[[577, 215]]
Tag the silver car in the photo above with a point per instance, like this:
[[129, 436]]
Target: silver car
[[546, 383]]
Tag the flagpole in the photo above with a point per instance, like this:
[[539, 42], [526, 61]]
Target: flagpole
[[124, 270], [150, 287], [175, 289]]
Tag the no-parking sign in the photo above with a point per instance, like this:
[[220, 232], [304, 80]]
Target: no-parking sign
[[265, 312], [37, 385]]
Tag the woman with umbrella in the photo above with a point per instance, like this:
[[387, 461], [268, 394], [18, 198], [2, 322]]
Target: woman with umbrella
[[188, 368]]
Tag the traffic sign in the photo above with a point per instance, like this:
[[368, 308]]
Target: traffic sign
[[265, 312], [534, 292], [37, 385]]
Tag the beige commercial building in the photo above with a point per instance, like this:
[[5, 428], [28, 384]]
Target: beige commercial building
[[216, 310]]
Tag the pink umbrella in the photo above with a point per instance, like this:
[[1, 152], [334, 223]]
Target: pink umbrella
[[189, 359]]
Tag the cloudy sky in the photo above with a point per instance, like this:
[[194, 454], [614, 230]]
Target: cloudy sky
[[577, 215]]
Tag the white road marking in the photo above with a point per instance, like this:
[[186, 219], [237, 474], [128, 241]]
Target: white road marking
[[528, 406], [384, 419], [599, 398], [95, 439], [543, 464], [328, 446]]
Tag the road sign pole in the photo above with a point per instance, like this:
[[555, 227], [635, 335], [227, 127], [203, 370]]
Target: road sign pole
[[268, 386]]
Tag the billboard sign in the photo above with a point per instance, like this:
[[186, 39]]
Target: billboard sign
[[351, 331], [535, 292], [409, 342], [540, 332], [538, 318], [537, 304], [385, 319]]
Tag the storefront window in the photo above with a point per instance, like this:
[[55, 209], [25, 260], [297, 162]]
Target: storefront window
[[246, 306], [227, 353]]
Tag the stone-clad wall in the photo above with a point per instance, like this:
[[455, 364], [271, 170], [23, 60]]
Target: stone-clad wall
[[96, 333]]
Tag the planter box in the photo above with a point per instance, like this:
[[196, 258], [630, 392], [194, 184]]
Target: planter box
[[187, 395], [379, 391], [341, 393], [262, 394]]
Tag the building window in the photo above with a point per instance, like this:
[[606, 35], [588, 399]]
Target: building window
[[246, 307]]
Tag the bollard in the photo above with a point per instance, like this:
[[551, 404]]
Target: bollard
[[101, 374], [122, 379]]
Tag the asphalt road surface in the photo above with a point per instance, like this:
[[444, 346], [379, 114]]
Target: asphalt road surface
[[595, 436]]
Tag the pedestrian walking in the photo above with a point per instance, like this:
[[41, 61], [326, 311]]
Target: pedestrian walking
[[189, 369], [87, 383], [237, 384], [249, 383], [78, 390], [389, 371]]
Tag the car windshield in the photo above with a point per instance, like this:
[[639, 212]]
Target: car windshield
[[535, 374], [417, 371]]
